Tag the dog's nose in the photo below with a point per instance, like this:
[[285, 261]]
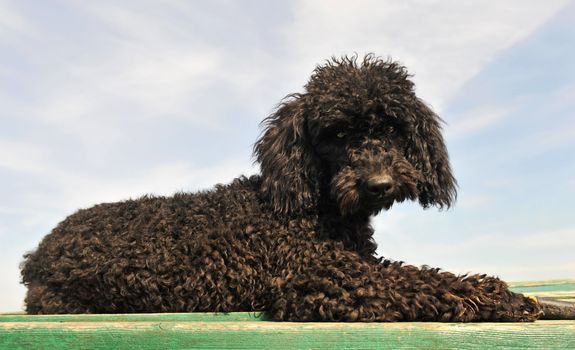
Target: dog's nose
[[382, 185]]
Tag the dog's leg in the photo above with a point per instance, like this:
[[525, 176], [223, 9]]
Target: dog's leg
[[40, 299], [556, 309], [340, 286]]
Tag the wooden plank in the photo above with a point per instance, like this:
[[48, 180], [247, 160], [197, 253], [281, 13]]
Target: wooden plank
[[244, 330], [163, 317], [285, 335], [555, 289], [556, 282], [567, 287]]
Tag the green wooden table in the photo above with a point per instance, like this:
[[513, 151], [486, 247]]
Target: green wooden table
[[248, 331]]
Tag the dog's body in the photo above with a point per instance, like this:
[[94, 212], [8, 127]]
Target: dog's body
[[295, 241]]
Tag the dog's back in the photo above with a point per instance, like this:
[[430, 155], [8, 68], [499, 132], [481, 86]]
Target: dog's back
[[154, 254]]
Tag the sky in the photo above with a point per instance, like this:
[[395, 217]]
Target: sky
[[108, 100]]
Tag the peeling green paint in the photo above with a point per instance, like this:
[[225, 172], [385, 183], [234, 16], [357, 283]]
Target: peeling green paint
[[249, 331]]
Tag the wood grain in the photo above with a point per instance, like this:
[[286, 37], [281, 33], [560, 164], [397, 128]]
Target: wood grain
[[250, 331]]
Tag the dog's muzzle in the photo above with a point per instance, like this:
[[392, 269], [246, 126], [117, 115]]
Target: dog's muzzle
[[374, 180]]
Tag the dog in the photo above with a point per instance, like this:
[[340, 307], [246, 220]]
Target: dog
[[295, 241]]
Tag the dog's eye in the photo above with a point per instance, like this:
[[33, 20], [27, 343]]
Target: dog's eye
[[391, 130], [341, 135]]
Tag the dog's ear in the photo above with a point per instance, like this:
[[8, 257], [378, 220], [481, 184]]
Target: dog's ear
[[288, 175], [427, 150]]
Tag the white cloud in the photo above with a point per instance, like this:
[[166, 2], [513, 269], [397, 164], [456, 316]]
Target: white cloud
[[514, 257], [163, 30], [536, 270], [391, 233], [478, 120], [444, 43], [24, 157], [152, 83], [558, 131], [552, 138], [12, 21], [531, 255], [12, 290], [134, 24], [79, 189], [144, 63], [465, 201], [166, 82], [164, 179], [561, 239]]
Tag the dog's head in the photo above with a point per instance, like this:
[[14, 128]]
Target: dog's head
[[359, 137]]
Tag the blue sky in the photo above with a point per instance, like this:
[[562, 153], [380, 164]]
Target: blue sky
[[106, 100]]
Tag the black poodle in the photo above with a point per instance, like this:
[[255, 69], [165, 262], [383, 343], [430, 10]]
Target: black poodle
[[295, 241]]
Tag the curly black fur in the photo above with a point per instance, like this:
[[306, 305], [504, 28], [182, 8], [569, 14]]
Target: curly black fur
[[295, 241]]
